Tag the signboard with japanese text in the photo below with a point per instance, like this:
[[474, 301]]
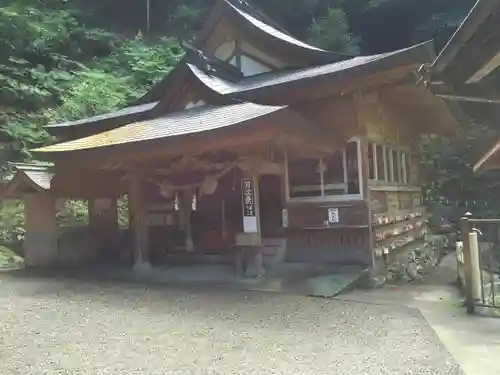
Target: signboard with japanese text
[[249, 208]]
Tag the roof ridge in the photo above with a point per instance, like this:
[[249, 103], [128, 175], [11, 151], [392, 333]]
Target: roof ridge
[[259, 14]]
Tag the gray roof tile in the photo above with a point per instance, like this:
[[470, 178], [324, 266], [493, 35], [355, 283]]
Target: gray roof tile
[[279, 77], [273, 31], [195, 120], [106, 116]]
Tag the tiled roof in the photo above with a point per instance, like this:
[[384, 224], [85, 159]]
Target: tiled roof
[[38, 176], [273, 31], [106, 116], [195, 120], [286, 76]]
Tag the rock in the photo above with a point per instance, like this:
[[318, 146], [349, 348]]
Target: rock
[[412, 271], [378, 281]]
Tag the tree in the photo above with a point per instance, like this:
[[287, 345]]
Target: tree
[[332, 32]]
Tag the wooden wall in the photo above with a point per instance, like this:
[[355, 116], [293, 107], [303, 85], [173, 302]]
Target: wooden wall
[[312, 239], [398, 216]]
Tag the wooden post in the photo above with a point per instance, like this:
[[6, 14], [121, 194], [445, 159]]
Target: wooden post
[[103, 220], [250, 241], [186, 202], [465, 229], [139, 222], [40, 240], [223, 219], [364, 172], [475, 267]]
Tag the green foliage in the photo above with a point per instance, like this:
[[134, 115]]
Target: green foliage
[[73, 213], [12, 224], [9, 259], [332, 33], [53, 68], [449, 176]]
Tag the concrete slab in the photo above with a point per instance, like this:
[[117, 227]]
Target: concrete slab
[[473, 341], [290, 278]]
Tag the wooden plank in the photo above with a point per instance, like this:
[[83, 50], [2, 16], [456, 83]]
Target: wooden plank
[[314, 215]]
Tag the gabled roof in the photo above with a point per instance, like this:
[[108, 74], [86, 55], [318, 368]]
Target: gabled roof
[[272, 31], [361, 65], [194, 120], [227, 85], [29, 177], [255, 23], [206, 70]]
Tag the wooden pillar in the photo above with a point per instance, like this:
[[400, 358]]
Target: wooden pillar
[[137, 207], [103, 220], [186, 208], [364, 173], [250, 241], [40, 240]]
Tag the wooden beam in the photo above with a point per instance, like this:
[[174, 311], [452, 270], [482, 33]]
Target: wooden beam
[[473, 99], [480, 49], [489, 159], [477, 18], [473, 92], [487, 68]]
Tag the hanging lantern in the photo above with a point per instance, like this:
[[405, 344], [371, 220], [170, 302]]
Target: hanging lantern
[[209, 185]]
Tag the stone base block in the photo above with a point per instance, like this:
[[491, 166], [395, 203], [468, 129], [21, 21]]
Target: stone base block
[[142, 267]]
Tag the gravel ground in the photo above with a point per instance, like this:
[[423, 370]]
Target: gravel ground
[[71, 327]]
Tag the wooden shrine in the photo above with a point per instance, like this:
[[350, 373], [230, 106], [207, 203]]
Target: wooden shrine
[[256, 141]]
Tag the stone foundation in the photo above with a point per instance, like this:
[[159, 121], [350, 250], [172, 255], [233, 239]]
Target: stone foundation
[[412, 264]]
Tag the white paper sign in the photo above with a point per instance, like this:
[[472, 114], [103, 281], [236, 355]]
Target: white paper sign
[[333, 215], [284, 218], [250, 225]]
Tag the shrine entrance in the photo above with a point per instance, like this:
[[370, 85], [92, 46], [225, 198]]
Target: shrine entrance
[[207, 229]]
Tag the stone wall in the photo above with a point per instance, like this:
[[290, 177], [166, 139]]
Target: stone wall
[[412, 263]]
